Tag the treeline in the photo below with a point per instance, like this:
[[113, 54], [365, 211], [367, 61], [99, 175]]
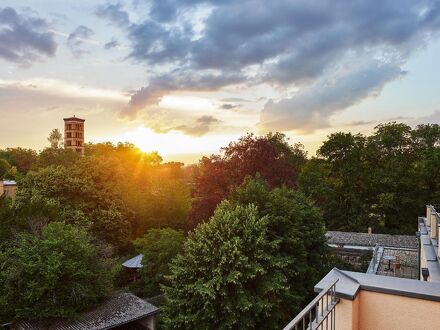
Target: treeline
[[235, 241], [381, 181]]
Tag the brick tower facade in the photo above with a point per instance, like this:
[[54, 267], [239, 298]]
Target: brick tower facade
[[74, 134]]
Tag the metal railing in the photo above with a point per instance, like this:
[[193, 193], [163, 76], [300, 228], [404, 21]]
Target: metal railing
[[319, 313]]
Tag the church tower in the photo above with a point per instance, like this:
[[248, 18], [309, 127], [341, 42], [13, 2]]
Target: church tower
[[74, 134]]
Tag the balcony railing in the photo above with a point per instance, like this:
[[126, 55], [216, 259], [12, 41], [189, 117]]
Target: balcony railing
[[319, 313]]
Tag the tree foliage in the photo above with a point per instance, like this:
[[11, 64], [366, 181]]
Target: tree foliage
[[55, 139], [215, 177], [296, 226], [253, 265], [225, 277], [159, 247], [380, 181], [56, 274]]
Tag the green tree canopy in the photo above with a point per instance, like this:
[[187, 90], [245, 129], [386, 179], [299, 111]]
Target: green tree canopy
[[226, 276], [159, 247], [55, 139], [76, 196], [277, 161], [56, 274], [296, 226]]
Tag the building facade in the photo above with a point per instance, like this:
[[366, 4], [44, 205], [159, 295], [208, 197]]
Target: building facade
[[8, 188], [74, 134]]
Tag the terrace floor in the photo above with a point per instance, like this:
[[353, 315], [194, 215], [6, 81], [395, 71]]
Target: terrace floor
[[399, 263]]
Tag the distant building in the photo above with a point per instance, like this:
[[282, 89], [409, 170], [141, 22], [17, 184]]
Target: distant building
[[8, 188], [400, 290], [74, 134]]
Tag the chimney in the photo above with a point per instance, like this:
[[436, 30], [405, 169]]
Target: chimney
[[428, 215], [434, 224], [370, 230]]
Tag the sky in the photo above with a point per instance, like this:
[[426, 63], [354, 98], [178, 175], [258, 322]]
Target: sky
[[186, 77]]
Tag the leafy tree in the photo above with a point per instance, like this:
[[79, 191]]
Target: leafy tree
[[159, 247], [378, 181], [77, 197], [20, 158], [56, 274], [57, 156], [5, 168], [10, 225], [296, 226], [226, 276], [272, 156], [55, 138]]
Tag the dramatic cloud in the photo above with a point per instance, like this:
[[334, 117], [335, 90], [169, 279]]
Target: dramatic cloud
[[176, 81], [201, 126], [23, 38], [115, 14], [311, 107], [291, 45], [76, 40]]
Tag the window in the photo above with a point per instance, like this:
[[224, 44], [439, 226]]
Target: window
[[69, 135]]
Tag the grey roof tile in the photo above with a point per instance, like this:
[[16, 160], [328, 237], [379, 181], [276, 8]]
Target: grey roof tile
[[119, 309], [370, 240]]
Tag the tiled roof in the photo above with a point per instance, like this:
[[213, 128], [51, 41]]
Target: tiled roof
[[119, 309], [370, 240], [74, 119]]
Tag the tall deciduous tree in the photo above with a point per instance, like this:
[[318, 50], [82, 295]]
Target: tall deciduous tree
[[55, 138], [296, 228], [56, 274], [226, 277], [159, 247], [271, 156]]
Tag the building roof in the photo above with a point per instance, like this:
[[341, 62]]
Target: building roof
[[370, 240], [349, 284], [135, 262], [430, 248], [74, 119], [9, 183], [120, 309]]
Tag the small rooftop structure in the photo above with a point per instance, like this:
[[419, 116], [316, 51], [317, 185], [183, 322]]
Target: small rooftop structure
[[135, 262], [366, 240], [74, 119], [120, 309]]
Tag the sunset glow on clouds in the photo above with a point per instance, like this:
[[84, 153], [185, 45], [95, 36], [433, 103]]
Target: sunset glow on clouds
[[186, 77]]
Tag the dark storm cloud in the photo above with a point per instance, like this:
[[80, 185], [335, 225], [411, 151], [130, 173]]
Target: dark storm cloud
[[111, 44], [293, 43], [23, 38], [229, 106], [77, 38], [114, 13]]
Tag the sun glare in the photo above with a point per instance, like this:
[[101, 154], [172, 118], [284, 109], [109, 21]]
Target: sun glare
[[172, 143], [192, 103]]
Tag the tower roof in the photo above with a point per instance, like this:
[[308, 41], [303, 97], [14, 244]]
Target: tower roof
[[74, 119]]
